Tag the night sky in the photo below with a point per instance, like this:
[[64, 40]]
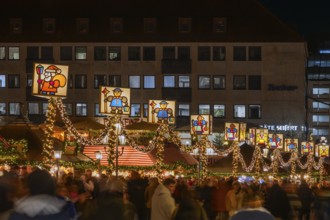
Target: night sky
[[305, 16]]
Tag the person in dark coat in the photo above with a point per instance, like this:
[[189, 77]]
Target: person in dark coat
[[277, 202], [306, 197]]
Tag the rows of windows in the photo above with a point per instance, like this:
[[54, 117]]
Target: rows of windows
[[217, 110], [134, 53], [149, 81]]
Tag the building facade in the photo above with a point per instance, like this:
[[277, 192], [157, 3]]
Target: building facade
[[231, 59]]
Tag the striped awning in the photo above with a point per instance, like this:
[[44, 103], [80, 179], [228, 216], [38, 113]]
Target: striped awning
[[129, 156]]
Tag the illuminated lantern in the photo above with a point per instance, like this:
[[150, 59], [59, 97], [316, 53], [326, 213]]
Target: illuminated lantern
[[291, 144], [115, 100], [161, 112], [242, 131], [322, 149], [231, 131], [307, 147], [252, 136], [40, 69], [275, 141], [262, 136], [200, 124]]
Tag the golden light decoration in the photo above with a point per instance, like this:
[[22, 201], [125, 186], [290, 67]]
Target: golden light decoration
[[290, 144], [258, 161], [307, 147], [293, 159], [200, 124], [201, 145], [242, 131], [252, 136], [235, 159], [231, 131], [261, 136], [48, 142], [275, 141]]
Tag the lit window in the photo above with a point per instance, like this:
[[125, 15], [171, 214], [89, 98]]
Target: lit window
[[149, 82], [2, 81], [145, 110], [14, 108], [321, 105], [3, 108], [184, 81], [169, 81], [204, 109], [68, 108], [80, 81], [44, 108], [29, 80], [254, 111], [114, 53], [321, 118], [13, 53], [81, 109], [97, 111], [13, 81], [219, 82], [204, 82], [321, 132], [134, 82], [135, 110], [239, 111], [2, 53], [321, 91], [33, 108], [219, 111], [81, 53], [184, 109]]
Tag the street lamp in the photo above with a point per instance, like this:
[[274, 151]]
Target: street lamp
[[57, 156], [120, 139], [98, 156]]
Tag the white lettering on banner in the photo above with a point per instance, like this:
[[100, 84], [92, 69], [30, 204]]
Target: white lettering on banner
[[281, 127]]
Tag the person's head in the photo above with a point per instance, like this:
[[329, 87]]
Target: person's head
[[40, 182], [170, 184], [88, 173], [236, 185], [115, 185]]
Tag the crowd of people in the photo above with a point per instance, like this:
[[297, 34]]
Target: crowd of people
[[38, 195]]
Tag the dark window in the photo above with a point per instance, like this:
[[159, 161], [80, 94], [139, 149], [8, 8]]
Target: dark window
[[169, 53], [70, 81], [254, 82], [32, 53], [47, 53], [204, 53], [255, 53], [80, 81], [29, 80], [82, 25], [184, 25], [66, 53], [254, 111], [114, 53], [100, 53], [49, 25], [16, 25], [219, 53], [100, 80], [219, 82], [184, 53], [13, 81], [114, 80], [116, 25], [219, 25], [148, 53], [239, 82], [239, 53], [149, 25], [133, 53]]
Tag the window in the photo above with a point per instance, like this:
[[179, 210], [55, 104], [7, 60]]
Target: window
[[16, 25], [13, 81], [97, 111], [82, 25], [133, 53], [81, 81], [2, 81], [321, 132], [184, 81], [321, 91], [29, 80], [184, 53], [321, 118], [169, 53], [239, 53], [47, 53], [33, 108], [204, 53], [150, 25], [13, 53], [219, 53], [66, 53], [100, 53], [204, 109], [70, 81], [2, 53], [239, 111], [81, 53], [145, 110], [134, 82], [254, 82], [3, 108], [135, 110], [219, 25], [184, 25], [81, 109], [219, 111], [169, 81], [114, 80], [219, 82], [149, 82], [254, 111], [321, 105], [100, 80], [116, 25], [184, 110], [14, 108], [204, 82], [255, 53], [68, 108], [148, 53], [239, 82], [44, 108], [49, 25], [114, 53], [32, 53]]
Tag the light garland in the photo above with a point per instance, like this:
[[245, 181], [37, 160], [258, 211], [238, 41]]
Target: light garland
[[48, 141], [258, 162], [201, 146], [235, 159], [293, 164]]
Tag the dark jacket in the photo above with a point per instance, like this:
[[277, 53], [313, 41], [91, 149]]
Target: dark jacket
[[277, 202]]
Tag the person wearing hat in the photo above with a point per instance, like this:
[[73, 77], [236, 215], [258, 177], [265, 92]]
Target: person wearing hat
[[163, 113], [117, 101], [51, 80]]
